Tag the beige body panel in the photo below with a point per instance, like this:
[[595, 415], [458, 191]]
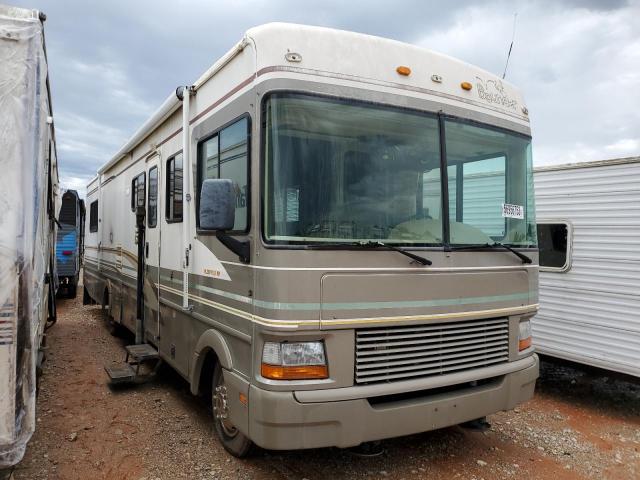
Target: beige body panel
[[355, 299]]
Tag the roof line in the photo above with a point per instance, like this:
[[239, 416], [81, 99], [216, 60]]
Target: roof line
[[592, 163]]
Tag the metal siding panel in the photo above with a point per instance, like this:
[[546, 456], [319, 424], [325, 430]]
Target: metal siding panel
[[483, 199], [592, 312], [590, 342]]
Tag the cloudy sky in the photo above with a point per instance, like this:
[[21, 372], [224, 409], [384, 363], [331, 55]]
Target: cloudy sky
[[112, 63]]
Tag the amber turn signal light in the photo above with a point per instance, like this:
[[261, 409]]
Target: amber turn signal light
[[402, 70], [524, 335], [301, 372], [524, 344], [466, 86]]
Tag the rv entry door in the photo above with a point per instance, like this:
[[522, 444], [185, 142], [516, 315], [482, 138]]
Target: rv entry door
[[152, 252]]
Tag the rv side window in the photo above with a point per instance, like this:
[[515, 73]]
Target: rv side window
[[226, 155], [174, 189], [93, 217], [134, 185], [553, 243], [152, 208], [137, 192]]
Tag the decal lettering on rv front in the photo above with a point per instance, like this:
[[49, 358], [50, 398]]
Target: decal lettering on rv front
[[492, 91], [211, 272], [202, 255]]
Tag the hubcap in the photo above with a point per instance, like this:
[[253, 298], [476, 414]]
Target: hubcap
[[221, 409]]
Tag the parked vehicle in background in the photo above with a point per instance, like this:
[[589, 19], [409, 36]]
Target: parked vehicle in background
[[589, 240], [28, 209], [305, 236], [70, 242]]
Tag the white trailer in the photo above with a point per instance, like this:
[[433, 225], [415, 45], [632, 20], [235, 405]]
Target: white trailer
[[589, 240], [28, 207]]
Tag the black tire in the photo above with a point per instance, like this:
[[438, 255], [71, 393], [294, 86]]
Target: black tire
[[72, 290], [86, 298], [230, 437], [115, 329], [7, 474]]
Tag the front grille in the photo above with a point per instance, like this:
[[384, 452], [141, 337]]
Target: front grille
[[395, 353]]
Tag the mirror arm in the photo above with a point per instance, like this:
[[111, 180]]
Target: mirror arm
[[240, 248]]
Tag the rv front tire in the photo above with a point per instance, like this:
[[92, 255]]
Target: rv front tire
[[231, 438]]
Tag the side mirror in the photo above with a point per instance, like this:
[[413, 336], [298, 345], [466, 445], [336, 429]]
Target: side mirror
[[217, 205]]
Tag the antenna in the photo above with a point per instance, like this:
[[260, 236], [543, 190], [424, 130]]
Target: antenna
[[513, 36]]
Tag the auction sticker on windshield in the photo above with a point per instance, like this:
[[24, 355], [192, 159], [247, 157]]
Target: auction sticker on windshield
[[512, 211]]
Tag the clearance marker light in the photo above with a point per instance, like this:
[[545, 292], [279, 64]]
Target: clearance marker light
[[466, 86], [402, 70]]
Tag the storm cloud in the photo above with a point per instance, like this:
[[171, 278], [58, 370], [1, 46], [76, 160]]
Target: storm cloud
[[578, 62]]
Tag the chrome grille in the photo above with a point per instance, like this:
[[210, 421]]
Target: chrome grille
[[397, 353]]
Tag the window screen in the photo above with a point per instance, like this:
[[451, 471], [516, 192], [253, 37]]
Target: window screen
[[93, 217], [553, 242], [138, 192], [174, 189], [226, 155], [152, 208]]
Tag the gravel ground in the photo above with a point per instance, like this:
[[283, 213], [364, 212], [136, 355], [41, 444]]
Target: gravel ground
[[581, 424]]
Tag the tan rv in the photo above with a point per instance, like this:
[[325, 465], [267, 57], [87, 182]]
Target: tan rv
[[337, 235]]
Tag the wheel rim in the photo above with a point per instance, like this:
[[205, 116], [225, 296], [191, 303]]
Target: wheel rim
[[221, 409]]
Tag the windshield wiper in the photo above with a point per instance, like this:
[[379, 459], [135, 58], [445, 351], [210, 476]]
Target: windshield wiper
[[417, 258], [369, 245], [521, 256]]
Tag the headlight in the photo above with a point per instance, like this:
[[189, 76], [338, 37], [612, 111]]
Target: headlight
[[294, 361], [524, 335]]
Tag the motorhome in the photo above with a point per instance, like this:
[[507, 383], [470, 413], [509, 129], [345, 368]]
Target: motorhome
[[589, 239], [308, 257], [28, 209], [70, 242]]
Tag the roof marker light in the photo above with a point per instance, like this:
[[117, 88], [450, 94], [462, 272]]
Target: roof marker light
[[402, 70], [466, 86], [293, 57]]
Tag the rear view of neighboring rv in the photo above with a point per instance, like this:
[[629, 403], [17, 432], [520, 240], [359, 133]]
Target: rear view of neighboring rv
[[28, 186], [69, 242], [589, 240]]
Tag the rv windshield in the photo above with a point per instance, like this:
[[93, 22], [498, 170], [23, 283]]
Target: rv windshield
[[347, 171]]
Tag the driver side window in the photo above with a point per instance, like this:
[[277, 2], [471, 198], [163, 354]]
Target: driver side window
[[225, 154]]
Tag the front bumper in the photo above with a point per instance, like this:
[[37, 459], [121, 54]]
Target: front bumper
[[279, 421]]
